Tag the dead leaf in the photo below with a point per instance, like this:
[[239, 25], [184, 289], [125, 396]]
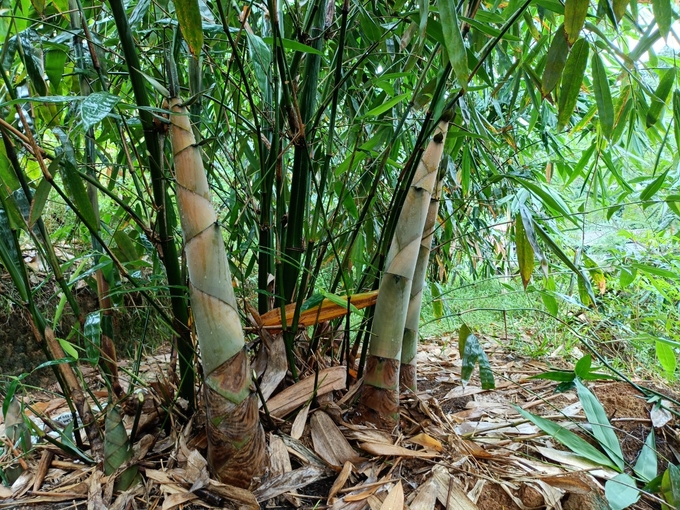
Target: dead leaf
[[448, 492], [426, 496], [298, 427], [427, 441], [330, 379], [393, 450], [174, 500], [329, 443], [286, 482], [340, 481], [395, 498]]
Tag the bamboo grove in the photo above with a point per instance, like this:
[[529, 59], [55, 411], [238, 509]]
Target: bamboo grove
[[230, 161]]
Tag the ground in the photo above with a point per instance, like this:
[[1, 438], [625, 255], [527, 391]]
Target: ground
[[457, 447]]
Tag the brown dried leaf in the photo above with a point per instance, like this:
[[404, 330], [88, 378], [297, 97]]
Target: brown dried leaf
[[427, 441], [298, 427], [329, 443], [395, 498], [330, 379], [426, 497], [340, 481], [174, 500], [393, 450], [448, 492]]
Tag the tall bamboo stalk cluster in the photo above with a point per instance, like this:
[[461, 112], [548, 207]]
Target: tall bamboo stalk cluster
[[393, 341]]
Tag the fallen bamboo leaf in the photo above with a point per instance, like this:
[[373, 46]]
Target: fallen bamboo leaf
[[174, 500], [287, 482], [340, 481], [426, 497], [448, 492], [298, 427], [395, 498], [569, 459], [323, 312], [330, 379], [427, 441], [329, 443], [396, 451]]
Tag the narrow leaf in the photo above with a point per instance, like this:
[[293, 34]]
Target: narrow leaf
[[96, 107], [603, 96], [646, 465], [620, 491], [574, 17], [386, 106], [39, 200], [663, 14], [660, 95], [453, 41], [525, 253], [654, 186], [569, 439], [572, 78], [619, 8], [602, 429], [666, 356], [189, 18], [555, 61]]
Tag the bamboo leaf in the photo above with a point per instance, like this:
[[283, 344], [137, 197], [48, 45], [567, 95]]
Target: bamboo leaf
[[39, 200], [437, 303], [603, 96], [663, 14], [386, 106], [96, 107], [189, 18], [290, 44], [453, 41], [646, 465], [654, 186], [528, 224], [54, 67], [619, 8], [660, 95], [555, 61], [525, 253], [620, 491], [676, 116], [599, 423], [575, 12], [569, 439], [666, 356], [572, 78], [92, 332]]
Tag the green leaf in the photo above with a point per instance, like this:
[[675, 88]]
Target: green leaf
[[555, 61], [666, 356], [463, 333], [663, 14], [92, 332], [32, 58], [453, 41], [654, 186], [657, 271], [39, 200], [646, 465], [673, 203], [189, 18], [569, 439], [603, 96], [547, 296], [126, 246], [627, 276], [620, 491], [548, 197], [670, 486], [54, 68], [290, 44], [437, 303], [96, 107], [68, 348], [572, 78], [528, 224], [575, 12], [661, 93], [75, 189], [485, 372], [556, 375], [525, 253], [582, 367], [599, 423], [340, 301], [619, 8], [386, 106], [676, 116], [260, 54]]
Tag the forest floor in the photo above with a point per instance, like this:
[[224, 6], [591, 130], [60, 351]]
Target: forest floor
[[457, 448]]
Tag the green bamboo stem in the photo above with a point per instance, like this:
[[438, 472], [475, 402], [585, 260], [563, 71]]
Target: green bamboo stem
[[236, 446], [380, 396], [409, 349]]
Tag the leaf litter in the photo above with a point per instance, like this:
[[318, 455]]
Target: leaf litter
[[457, 448]]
